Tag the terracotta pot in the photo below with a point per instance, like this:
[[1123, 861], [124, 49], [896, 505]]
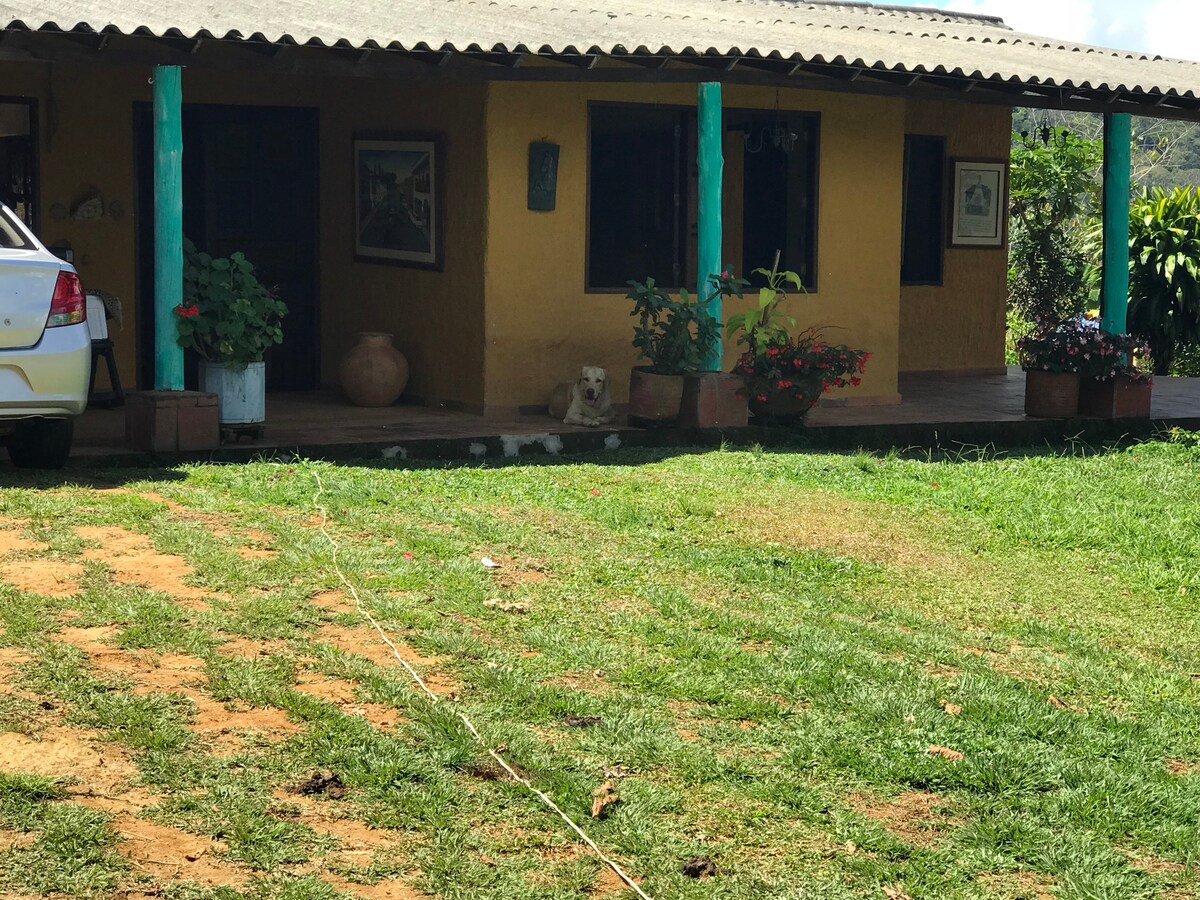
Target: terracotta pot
[[654, 399], [373, 372], [1051, 395], [711, 400], [1120, 397], [782, 407]]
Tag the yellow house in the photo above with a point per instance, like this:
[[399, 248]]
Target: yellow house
[[374, 160]]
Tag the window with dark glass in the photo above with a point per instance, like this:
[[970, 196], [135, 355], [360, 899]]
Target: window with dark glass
[[637, 214], [642, 204], [923, 236], [779, 208]]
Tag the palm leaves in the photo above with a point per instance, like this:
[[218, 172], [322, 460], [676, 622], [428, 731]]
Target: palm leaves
[[1164, 272]]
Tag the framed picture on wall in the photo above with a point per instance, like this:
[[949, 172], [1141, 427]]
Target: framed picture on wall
[[397, 201], [979, 194]]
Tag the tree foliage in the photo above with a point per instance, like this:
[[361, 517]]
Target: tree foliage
[[1164, 272], [1052, 190]]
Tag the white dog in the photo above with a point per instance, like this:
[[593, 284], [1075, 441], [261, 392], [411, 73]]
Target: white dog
[[590, 404]]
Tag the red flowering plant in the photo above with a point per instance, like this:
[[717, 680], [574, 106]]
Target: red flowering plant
[[227, 315], [785, 375], [802, 367]]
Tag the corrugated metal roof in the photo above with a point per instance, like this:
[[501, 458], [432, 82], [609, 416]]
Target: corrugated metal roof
[[875, 37]]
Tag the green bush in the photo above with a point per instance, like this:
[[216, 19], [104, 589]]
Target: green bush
[[1164, 273], [1051, 194]]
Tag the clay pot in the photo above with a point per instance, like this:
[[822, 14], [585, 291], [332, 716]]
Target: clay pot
[[1119, 397], [654, 399], [373, 372], [713, 400], [1051, 395]]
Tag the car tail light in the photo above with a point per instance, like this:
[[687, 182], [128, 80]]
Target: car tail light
[[69, 306]]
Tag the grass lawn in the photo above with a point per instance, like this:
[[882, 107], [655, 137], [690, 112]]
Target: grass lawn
[[832, 676]]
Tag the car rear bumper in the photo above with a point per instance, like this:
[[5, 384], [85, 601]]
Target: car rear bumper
[[50, 379]]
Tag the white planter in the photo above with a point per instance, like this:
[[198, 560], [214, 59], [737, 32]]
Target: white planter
[[241, 392]]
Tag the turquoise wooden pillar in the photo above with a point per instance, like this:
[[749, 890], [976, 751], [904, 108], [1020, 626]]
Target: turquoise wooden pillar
[[1114, 285], [168, 226], [710, 156]]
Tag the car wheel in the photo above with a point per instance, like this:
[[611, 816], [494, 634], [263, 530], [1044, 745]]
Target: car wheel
[[41, 443]]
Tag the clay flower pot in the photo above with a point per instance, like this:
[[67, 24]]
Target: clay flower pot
[[1051, 395], [1119, 397], [373, 372], [654, 399]]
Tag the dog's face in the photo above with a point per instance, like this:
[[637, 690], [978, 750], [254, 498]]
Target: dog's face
[[592, 382]]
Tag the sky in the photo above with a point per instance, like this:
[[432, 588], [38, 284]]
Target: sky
[[1164, 27]]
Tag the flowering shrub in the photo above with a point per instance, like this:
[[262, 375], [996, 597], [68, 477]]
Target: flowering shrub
[[1079, 344], [227, 315], [803, 367]]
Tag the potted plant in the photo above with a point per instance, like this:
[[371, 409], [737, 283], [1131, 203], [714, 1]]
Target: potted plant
[[1059, 357], [676, 336], [787, 379], [230, 319], [784, 376], [1113, 383]]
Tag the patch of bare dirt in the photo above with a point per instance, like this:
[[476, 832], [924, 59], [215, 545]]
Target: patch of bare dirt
[[1022, 885], [252, 648], [229, 727], [337, 691], [607, 883], [12, 541], [916, 817], [168, 854], [151, 671], [332, 601], [357, 841], [103, 774], [1181, 767], [365, 642], [47, 576], [15, 840], [133, 560], [512, 571], [387, 889]]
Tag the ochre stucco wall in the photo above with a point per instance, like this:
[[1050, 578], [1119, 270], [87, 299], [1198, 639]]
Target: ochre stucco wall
[[541, 325], [86, 138], [959, 325]]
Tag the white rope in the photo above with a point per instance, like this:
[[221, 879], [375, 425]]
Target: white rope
[[434, 698]]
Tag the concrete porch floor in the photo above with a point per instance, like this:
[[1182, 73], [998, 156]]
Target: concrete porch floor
[[935, 411]]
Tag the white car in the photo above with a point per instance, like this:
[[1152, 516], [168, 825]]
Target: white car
[[45, 348]]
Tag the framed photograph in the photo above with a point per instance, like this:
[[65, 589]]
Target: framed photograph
[[397, 208], [979, 192]]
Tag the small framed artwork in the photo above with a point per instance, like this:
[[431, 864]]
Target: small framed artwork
[[397, 204], [543, 176], [979, 192]]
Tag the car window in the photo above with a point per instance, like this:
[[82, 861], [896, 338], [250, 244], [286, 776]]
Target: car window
[[12, 237]]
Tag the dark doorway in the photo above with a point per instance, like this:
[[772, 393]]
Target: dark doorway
[[250, 182]]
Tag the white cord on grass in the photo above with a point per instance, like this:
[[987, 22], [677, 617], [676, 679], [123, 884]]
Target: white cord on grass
[[434, 698]]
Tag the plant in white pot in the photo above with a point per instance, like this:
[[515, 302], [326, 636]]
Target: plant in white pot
[[230, 318]]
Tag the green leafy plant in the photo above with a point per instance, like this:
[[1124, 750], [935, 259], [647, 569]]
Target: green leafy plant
[[227, 315], [675, 334], [1052, 191], [1164, 272], [767, 324]]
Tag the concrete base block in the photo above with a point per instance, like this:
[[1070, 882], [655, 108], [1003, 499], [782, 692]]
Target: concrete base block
[[172, 421], [710, 400]]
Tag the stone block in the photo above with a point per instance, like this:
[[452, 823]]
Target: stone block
[[172, 421]]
